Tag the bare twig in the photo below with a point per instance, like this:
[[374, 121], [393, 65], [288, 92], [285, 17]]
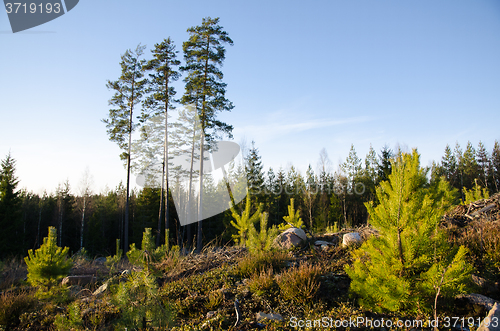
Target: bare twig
[[238, 312]]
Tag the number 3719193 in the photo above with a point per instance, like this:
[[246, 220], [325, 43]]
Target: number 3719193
[[25, 8], [470, 321]]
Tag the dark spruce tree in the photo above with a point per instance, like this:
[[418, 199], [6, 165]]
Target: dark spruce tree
[[204, 54], [10, 209], [384, 164], [255, 176], [483, 162], [64, 209], [495, 166], [129, 90], [450, 166], [468, 168], [163, 73]]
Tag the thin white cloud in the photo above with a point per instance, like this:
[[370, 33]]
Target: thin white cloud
[[268, 130]]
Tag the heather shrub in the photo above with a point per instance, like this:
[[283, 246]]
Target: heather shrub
[[214, 300], [251, 264], [299, 284], [262, 283], [12, 305]]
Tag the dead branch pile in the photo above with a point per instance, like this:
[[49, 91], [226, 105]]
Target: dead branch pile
[[481, 210], [207, 260], [476, 226]]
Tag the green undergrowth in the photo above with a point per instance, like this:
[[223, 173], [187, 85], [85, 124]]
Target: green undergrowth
[[194, 292]]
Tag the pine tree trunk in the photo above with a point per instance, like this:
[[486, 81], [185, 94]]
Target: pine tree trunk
[[160, 212], [38, 226], [61, 211], [228, 186], [200, 197], [190, 190], [400, 250], [83, 221], [165, 160], [125, 228]]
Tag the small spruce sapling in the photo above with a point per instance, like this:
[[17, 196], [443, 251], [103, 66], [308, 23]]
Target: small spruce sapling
[[48, 264]]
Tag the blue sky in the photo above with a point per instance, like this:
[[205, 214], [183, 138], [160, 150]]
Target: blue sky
[[302, 75]]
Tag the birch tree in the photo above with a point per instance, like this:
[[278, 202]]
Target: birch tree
[[85, 192]]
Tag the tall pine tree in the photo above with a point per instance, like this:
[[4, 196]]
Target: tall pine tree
[[204, 54], [163, 74], [129, 90]]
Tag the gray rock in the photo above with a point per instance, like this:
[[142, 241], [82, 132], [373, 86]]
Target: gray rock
[[479, 281], [277, 317], [101, 289], [492, 321], [352, 238], [79, 280], [100, 260], [479, 299], [487, 286], [322, 242], [291, 237], [211, 314]]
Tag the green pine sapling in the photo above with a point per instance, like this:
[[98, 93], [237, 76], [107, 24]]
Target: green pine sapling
[[410, 263], [293, 218], [48, 264], [244, 222], [261, 241]]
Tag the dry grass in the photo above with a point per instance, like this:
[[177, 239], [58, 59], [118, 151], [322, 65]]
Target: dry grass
[[177, 267], [12, 305], [88, 267], [13, 271]]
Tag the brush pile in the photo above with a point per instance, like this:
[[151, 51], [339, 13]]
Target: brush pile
[[482, 210]]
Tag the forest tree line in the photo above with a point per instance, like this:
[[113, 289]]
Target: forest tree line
[[324, 197]]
